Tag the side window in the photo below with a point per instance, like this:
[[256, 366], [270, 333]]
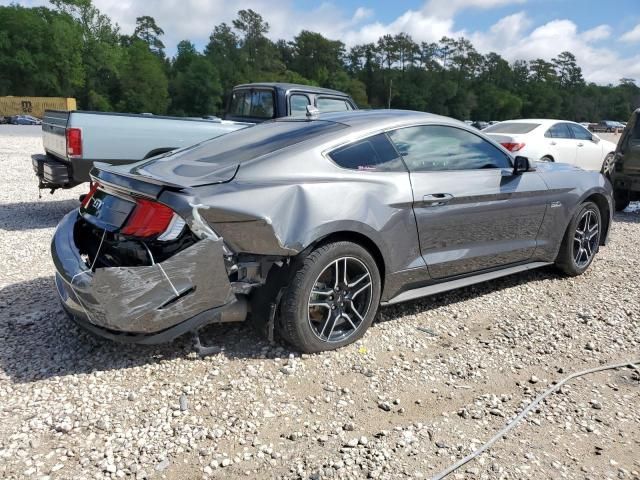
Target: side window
[[373, 153], [333, 105], [559, 130], [298, 104], [580, 133], [261, 104], [436, 148]]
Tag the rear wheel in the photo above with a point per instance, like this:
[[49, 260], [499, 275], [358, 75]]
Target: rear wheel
[[581, 240], [332, 298], [546, 158]]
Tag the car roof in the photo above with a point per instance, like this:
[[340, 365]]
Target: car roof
[[381, 119], [292, 86]]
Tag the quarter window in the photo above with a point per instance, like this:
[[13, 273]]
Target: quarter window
[[373, 153], [333, 105], [436, 148], [298, 104], [559, 130]]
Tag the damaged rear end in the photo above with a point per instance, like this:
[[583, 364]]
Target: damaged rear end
[[136, 263]]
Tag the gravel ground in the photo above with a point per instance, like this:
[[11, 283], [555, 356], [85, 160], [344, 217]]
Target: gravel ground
[[430, 382]]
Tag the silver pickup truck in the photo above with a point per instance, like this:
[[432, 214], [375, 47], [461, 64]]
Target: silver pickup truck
[[74, 140]]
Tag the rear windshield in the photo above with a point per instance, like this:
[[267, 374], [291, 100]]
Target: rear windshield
[[511, 127], [253, 142], [252, 104]]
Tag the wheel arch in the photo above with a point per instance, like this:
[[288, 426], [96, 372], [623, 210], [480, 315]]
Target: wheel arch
[[358, 238]]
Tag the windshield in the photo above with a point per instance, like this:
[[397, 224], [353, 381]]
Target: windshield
[[511, 127]]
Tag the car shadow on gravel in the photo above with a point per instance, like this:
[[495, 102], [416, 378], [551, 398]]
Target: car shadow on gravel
[[38, 340], [34, 215]]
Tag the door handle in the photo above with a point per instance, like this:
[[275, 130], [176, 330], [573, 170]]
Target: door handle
[[436, 199], [552, 143], [581, 144]]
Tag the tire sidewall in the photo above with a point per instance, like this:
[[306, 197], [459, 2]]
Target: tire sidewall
[[571, 232], [297, 296]]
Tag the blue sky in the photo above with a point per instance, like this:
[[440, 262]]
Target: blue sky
[[604, 35]]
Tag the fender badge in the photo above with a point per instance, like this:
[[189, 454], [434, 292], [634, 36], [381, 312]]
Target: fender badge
[[556, 204]]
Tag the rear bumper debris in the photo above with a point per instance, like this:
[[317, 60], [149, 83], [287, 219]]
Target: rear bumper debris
[[145, 304]]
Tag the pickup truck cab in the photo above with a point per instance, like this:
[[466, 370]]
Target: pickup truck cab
[[258, 102], [74, 140], [626, 169]]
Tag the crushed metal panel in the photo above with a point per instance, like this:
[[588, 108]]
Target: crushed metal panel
[[143, 299]]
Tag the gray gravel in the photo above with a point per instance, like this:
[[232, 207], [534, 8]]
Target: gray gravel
[[431, 381]]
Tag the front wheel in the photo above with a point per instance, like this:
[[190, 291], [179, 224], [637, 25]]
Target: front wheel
[[546, 158], [331, 299], [608, 165], [581, 240]]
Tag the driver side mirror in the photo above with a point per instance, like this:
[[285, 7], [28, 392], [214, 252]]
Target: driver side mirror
[[521, 165], [595, 139]]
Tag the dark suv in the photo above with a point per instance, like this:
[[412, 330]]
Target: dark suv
[[626, 175]]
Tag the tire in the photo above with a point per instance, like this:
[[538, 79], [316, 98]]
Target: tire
[[546, 158], [621, 199], [581, 242], [332, 322], [608, 165]]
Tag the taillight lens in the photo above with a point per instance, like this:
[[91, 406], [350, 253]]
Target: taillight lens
[[513, 147], [74, 142], [87, 197], [148, 218]]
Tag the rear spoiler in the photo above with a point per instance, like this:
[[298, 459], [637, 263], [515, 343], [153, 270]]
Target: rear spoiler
[[147, 186]]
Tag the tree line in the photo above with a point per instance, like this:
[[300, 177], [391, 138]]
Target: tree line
[[71, 49]]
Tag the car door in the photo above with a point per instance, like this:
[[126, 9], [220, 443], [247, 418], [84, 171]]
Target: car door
[[472, 212], [588, 153], [560, 143]]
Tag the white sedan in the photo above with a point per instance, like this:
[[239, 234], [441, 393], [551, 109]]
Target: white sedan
[[555, 141]]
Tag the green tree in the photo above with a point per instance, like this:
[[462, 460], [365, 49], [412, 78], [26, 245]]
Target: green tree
[[194, 86], [144, 82], [149, 32]]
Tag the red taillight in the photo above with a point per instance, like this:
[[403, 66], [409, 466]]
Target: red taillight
[[74, 142], [513, 147], [148, 218], [87, 197]]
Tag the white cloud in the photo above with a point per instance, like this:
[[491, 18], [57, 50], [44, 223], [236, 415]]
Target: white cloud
[[632, 36], [448, 8], [513, 39]]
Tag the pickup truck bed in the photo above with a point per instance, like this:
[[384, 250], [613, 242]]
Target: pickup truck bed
[[74, 140]]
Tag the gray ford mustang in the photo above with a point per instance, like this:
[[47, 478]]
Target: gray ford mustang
[[306, 226]]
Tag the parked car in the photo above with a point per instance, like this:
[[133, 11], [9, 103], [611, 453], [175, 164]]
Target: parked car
[[314, 223], [4, 119], [555, 141], [606, 126], [25, 120], [626, 171], [74, 140]]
